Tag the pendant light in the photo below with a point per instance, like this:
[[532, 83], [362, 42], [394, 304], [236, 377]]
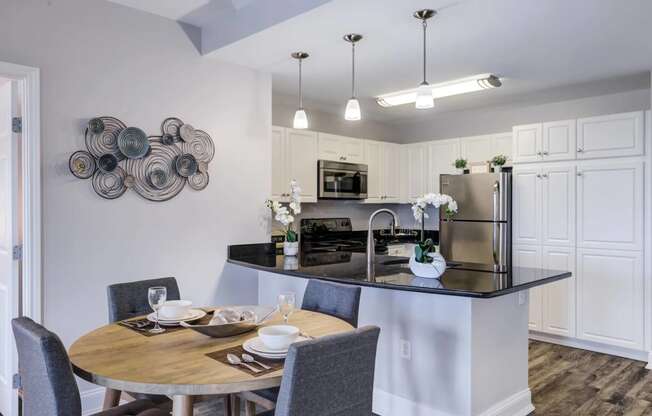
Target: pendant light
[[352, 112], [424, 92], [300, 117]]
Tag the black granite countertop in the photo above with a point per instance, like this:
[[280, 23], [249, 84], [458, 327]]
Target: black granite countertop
[[390, 272]]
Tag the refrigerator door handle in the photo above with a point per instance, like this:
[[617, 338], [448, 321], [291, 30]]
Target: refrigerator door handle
[[496, 237], [496, 201]]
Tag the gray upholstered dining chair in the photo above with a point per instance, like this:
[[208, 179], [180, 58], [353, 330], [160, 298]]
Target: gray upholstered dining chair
[[333, 375], [47, 381], [334, 299], [128, 300]]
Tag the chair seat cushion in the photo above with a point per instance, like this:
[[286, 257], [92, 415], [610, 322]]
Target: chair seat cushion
[[135, 408]]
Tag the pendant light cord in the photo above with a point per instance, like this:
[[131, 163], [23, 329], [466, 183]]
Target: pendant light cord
[[300, 89], [425, 25], [353, 70]]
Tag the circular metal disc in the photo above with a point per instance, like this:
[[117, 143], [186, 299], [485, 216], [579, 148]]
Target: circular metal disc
[[299, 55], [424, 14], [352, 37]]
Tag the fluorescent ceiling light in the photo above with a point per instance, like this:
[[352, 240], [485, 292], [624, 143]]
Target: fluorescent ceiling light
[[444, 89]]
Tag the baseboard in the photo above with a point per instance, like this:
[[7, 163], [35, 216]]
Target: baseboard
[[592, 346], [92, 401], [387, 404], [649, 361], [519, 404]]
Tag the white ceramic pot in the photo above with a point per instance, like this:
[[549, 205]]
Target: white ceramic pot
[[428, 270], [291, 249]]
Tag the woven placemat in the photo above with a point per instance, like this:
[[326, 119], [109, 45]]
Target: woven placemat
[[221, 357], [142, 325]]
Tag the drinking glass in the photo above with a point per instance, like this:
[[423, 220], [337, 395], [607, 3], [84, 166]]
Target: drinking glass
[[286, 305], [157, 296]]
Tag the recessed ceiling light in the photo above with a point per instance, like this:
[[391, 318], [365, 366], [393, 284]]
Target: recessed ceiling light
[[444, 89]]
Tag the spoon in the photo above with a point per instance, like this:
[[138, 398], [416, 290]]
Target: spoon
[[233, 359], [249, 359]]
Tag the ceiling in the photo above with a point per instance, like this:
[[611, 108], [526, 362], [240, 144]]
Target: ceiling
[[536, 46]]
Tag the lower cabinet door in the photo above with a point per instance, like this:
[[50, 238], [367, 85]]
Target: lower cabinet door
[[610, 301], [558, 302], [530, 256]]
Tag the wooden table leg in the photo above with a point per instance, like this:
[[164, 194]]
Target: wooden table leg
[[250, 408], [182, 405], [231, 405], [111, 399]]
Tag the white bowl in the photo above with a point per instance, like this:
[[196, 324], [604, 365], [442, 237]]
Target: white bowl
[[173, 309], [278, 337]]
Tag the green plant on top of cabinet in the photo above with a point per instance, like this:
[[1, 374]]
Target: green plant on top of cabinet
[[341, 148], [383, 162], [294, 157]]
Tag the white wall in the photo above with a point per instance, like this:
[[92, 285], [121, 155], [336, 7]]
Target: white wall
[[97, 58]]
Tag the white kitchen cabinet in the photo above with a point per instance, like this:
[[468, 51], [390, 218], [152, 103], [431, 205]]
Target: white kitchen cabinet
[[527, 143], [610, 297], [559, 140], [501, 144], [341, 148], [610, 205], [530, 256], [416, 170], [294, 156], [476, 149], [441, 158], [526, 205], [558, 299], [558, 205], [383, 181], [610, 136]]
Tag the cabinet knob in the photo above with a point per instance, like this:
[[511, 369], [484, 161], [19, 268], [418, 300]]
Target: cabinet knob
[[545, 153], [579, 173], [545, 175], [540, 153], [580, 150], [538, 176]]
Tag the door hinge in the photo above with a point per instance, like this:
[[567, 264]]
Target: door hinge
[[15, 382], [17, 124], [18, 252]]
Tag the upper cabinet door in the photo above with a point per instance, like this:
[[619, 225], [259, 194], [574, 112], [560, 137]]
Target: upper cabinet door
[[302, 162], [501, 144], [526, 209], [558, 201], [441, 155], [280, 178], [610, 205], [330, 147], [527, 143], [391, 172], [373, 150], [610, 136], [416, 170], [353, 150], [476, 149], [559, 140]]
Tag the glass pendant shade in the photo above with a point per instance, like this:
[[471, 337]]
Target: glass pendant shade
[[352, 112], [300, 119], [424, 97]]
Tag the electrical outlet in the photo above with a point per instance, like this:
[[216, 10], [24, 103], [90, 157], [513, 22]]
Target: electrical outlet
[[405, 349]]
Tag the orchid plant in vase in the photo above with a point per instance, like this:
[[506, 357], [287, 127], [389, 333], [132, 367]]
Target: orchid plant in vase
[[426, 261], [286, 215]]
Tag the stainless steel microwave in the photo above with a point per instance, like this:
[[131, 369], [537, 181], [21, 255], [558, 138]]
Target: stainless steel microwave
[[339, 180]]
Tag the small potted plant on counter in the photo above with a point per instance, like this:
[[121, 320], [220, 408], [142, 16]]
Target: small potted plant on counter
[[460, 164], [499, 161], [283, 215], [426, 261]]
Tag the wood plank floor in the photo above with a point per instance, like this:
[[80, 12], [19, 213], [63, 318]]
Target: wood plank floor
[[569, 382]]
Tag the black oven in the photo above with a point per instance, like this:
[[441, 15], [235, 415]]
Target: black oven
[[338, 180]]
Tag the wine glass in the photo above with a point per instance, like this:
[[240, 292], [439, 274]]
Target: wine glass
[[157, 296], [286, 305]]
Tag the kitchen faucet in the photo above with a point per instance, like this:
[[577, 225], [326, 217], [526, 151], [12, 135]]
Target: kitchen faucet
[[371, 244]]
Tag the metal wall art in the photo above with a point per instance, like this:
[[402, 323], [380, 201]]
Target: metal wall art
[[156, 167]]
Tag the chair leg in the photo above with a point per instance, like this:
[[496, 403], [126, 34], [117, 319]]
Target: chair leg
[[228, 405], [111, 399], [235, 405], [250, 408]]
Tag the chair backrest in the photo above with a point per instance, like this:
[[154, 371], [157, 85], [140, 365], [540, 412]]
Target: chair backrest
[[127, 300], [46, 377], [332, 375], [335, 299]]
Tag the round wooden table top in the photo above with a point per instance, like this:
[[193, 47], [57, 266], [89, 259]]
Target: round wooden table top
[[175, 363]]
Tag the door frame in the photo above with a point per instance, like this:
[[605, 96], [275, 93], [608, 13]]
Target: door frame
[[28, 79]]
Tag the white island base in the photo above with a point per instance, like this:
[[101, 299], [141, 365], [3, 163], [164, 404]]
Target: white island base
[[439, 355]]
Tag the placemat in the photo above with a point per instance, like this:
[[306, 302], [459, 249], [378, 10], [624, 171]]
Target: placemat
[[221, 357], [143, 325]]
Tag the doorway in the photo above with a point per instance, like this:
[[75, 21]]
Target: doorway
[[20, 217]]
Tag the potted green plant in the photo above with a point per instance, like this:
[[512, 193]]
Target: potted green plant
[[460, 164], [285, 216], [499, 161]]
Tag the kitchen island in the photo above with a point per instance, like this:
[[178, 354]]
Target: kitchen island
[[457, 345]]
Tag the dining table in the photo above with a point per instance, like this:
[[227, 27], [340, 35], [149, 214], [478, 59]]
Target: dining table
[[176, 363]]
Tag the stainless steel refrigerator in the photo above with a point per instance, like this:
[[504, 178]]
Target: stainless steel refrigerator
[[480, 234]]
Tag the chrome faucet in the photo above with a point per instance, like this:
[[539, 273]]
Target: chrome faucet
[[371, 244]]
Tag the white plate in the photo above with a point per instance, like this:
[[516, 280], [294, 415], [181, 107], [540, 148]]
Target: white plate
[[256, 346], [193, 315]]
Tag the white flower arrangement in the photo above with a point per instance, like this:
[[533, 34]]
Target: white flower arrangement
[[436, 200], [284, 215]]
